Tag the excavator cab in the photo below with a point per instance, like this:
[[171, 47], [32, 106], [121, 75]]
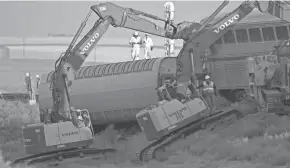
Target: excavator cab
[[44, 138], [167, 117]]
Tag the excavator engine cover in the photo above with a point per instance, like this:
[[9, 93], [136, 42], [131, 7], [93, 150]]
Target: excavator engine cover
[[42, 138], [169, 116]]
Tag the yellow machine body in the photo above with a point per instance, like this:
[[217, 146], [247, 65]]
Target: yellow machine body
[[169, 116], [42, 138]]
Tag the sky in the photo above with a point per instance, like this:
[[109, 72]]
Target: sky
[[39, 18]]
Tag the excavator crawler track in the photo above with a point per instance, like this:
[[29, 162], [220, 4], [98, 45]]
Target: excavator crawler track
[[55, 158], [150, 152]]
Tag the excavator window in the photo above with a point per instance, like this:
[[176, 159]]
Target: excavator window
[[80, 74], [229, 37], [242, 36], [109, 70], [116, 68], [89, 71], [120, 68], [268, 34], [99, 70], [138, 65], [255, 35], [149, 65], [277, 9], [282, 32], [127, 67]]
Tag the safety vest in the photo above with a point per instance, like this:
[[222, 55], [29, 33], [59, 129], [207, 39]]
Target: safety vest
[[208, 88]]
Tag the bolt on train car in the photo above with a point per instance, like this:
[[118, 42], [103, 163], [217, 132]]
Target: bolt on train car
[[114, 93]]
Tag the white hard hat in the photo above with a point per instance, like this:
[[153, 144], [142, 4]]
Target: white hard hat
[[169, 6], [207, 77], [80, 117], [37, 76], [136, 33], [27, 74]]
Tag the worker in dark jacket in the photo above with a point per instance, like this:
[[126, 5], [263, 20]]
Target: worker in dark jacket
[[209, 92], [28, 84]]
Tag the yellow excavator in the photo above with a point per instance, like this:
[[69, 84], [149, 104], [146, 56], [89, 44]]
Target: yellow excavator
[[172, 120], [67, 132]]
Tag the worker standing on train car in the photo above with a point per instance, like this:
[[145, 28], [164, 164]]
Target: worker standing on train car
[[209, 92], [135, 42], [28, 84], [169, 17], [148, 42]]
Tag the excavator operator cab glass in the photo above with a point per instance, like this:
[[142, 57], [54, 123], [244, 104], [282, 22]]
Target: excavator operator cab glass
[[173, 91], [83, 117]]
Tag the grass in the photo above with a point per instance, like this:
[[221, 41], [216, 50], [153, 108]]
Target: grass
[[242, 143]]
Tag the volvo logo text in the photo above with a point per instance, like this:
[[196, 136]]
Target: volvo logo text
[[227, 23], [69, 133], [89, 44]]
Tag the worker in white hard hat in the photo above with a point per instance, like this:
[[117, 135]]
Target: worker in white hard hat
[[169, 16], [37, 88], [169, 11], [148, 42], [169, 47], [209, 92], [80, 121], [135, 42]]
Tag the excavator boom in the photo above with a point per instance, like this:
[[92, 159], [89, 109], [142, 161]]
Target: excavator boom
[[201, 40], [279, 9], [130, 18], [75, 55]]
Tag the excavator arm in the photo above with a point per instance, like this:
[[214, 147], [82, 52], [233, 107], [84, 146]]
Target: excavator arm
[[197, 38], [189, 59], [279, 9], [190, 64], [75, 55]]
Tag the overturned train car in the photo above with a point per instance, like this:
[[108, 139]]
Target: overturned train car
[[114, 93]]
